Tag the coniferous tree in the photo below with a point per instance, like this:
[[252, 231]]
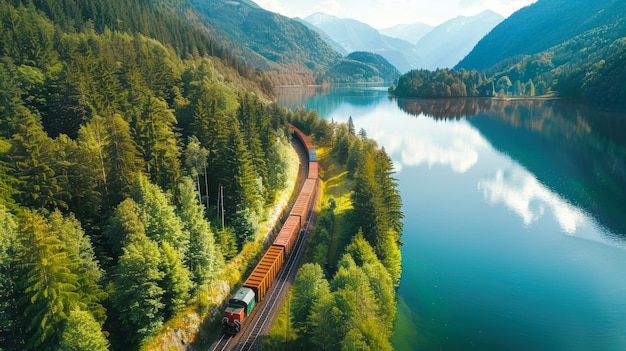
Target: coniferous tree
[[310, 288], [176, 283], [158, 144], [158, 215], [82, 333], [50, 287], [84, 265], [7, 181], [123, 226], [196, 161], [38, 184], [250, 115], [389, 190], [138, 295], [367, 202], [120, 153], [203, 259]]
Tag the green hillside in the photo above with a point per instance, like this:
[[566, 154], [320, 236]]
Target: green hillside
[[539, 27], [267, 40], [361, 67]]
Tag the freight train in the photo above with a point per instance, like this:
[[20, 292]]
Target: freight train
[[260, 280]]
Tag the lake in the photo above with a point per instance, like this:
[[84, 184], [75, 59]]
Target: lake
[[515, 217]]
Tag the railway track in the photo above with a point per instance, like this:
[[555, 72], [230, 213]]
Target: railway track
[[262, 317]]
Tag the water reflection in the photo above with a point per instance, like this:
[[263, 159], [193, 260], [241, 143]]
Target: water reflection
[[457, 152], [525, 195], [576, 150]]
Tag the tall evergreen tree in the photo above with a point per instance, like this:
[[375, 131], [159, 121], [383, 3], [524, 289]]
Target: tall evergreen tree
[[196, 160], [157, 143], [203, 259], [310, 288], [123, 226], [49, 285], [7, 180], [30, 152], [138, 295], [120, 154], [81, 253], [82, 333], [158, 215], [176, 283]]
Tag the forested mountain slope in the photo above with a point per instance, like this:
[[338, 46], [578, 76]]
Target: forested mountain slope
[[267, 40], [361, 67], [540, 26]]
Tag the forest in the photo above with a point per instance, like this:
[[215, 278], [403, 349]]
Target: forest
[[137, 159], [113, 147]]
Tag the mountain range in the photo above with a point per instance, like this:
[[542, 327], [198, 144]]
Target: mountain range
[[570, 48], [352, 35], [541, 26], [448, 43], [416, 46]]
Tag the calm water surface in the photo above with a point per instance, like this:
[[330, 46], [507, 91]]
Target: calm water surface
[[515, 228]]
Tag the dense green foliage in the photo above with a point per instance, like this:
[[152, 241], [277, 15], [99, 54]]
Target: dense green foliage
[[356, 308], [361, 67], [117, 133], [588, 63]]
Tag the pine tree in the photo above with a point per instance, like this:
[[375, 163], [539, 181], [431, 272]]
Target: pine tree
[[196, 161], [120, 156], [158, 144], [203, 259], [138, 295], [176, 283], [123, 227], [38, 183], [158, 215], [50, 286], [80, 252], [7, 181], [82, 333], [310, 288]]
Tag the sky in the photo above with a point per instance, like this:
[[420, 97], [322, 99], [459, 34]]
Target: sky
[[386, 13]]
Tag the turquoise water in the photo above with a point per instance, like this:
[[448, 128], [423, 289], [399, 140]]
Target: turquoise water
[[515, 221]]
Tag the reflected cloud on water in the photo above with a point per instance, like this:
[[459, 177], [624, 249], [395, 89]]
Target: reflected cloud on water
[[519, 190], [423, 141]]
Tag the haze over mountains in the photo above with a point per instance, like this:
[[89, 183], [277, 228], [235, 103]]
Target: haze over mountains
[[352, 35], [410, 46]]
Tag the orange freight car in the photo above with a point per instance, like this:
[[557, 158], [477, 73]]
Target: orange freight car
[[306, 141], [313, 170], [288, 234], [266, 271]]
